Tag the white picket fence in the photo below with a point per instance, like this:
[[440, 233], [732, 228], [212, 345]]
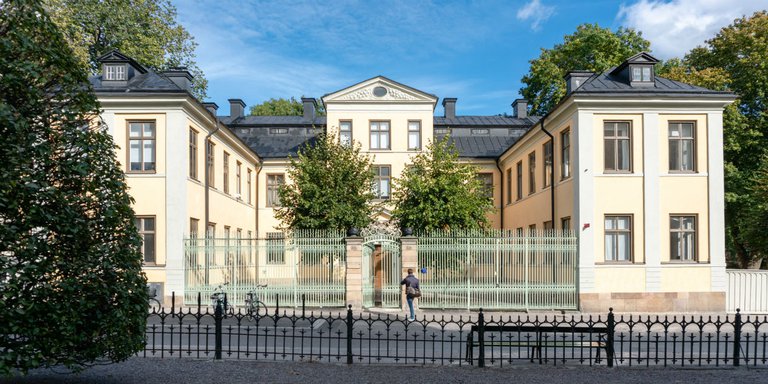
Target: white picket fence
[[747, 291]]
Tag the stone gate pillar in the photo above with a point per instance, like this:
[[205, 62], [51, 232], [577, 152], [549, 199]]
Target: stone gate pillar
[[354, 285], [410, 258]]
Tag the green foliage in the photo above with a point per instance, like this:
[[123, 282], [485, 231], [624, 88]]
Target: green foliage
[[71, 285], [590, 48], [282, 107], [437, 192], [735, 60], [145, 30], [330, 187]]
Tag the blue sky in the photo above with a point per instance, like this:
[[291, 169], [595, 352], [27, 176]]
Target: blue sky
[[476, 51]]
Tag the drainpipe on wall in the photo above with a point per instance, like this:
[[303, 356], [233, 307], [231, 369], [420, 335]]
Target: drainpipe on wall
[[256, 200], [501, 198], [552, 174], [207, 166]]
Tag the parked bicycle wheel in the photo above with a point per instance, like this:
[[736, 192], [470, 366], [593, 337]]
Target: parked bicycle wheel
[[257, 310]]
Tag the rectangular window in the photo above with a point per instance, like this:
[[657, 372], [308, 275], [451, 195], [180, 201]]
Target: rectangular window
[[273, 189], [519, 232], [275, 248], [531, 173], [565, 154], [115, 73], [442, 131], [682, 144], [381, 181], [519, 180], [509, 185], [193, 153], [682, 241], [486, 179], [548, 225], [618, 238], [480, 132], [345, 132], [146, 227], [238, 180], [565, 224], [194, 227], [379, 134], [532, 230], [547, 163], [225, 173], [641, 73], [250, 186], [617, 148], [141, 136], [210, 149], [414, 135], [210, 232]]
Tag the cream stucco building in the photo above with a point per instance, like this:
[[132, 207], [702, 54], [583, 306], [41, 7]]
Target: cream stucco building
[[631, 162]]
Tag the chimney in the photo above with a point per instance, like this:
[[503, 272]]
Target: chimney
[[236, 108], [211, 107], [310, 104], [449, 107], [180, 76], [574, 80], [520, 108]]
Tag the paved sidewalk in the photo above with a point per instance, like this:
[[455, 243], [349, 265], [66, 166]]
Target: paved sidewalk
[[189, 371]]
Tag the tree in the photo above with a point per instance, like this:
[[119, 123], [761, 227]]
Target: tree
[[145, 30], [734, 60], [71, 284], [590, 48], [330, 187], [282, 107], [437, 192]]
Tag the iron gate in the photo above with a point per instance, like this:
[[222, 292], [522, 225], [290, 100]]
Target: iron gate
[[382, 270]]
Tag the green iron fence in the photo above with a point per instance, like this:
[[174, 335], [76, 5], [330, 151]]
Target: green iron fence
[[308, 262], [498, 270]]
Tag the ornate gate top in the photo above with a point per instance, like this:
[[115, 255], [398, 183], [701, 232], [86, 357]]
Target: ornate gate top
[[377, 229]]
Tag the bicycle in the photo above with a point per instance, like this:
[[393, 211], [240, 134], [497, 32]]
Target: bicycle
[[255, 308], [154, 304], [219, 296]]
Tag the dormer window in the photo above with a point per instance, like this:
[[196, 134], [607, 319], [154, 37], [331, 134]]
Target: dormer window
[[642, 73], [115, 72]]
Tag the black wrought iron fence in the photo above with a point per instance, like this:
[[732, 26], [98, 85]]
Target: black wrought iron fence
[[480, 338]]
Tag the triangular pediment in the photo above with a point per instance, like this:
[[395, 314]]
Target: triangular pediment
[[379, 89]]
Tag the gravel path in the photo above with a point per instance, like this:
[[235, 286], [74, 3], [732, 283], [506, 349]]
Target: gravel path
[[188, 371]]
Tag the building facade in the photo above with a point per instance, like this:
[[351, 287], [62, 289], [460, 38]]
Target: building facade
[[630, 162]]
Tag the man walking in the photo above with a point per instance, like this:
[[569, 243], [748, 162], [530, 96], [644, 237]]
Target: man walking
[[412, 290]]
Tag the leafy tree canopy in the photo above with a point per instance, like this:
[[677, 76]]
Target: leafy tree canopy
[[437, 192], [145, 30], [71, 285], [282, 107], [590, 48], [330, 187]]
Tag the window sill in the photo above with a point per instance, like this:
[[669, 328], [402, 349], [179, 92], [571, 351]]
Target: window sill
[[684, 262], [620, 263], [152, 265]]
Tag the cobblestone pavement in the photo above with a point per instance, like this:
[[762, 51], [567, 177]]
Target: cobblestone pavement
[[188, 371]]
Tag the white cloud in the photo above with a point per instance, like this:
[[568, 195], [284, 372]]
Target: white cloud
[[536, 12], [674, 27]]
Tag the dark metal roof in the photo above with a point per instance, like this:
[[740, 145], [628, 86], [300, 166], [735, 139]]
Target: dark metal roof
[[141, 82], [609, 84], [483, 146], [273, 121], [269, 146], [485, 121]]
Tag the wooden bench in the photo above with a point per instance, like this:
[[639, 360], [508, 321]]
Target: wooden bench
[[536, 337]]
